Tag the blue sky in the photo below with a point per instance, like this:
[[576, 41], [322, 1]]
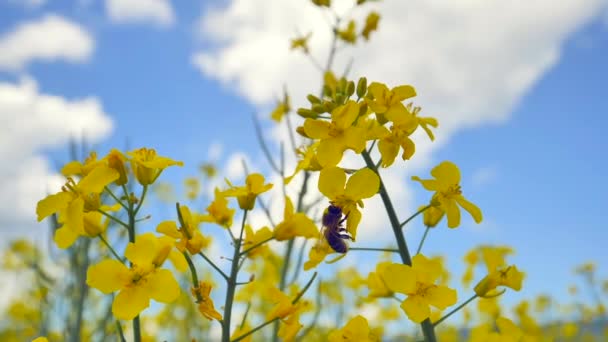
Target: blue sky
[[535, 166]]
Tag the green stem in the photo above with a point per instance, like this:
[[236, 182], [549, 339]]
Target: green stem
[[256, 245], [232, 283], [413, 216], [455, 310], [213, 265], [427, 327], [141, 200], [194, 275], [131, 231], [294, 301], [426, 232], [110, 248], [117, 220], [120, 332], [116, 198], [392, 250]]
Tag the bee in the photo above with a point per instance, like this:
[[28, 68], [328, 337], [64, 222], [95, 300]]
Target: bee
[[333, 229]]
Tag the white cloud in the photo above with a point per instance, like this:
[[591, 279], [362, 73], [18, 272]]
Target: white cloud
[[484, 176], [30, 122], [470, 61], [158, 12], [48, 38]]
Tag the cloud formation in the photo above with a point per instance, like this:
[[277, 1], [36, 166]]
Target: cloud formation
[[158, 12], [49, 38], [30, 122], [470, 61]]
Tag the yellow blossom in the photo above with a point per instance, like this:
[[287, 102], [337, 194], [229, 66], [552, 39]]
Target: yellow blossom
[[432, 216], [375, 282], [282, 108], [137, 284], [117, 160], [349, 34], [253, 239], [509, 277], [338, 135], [76, 168], [147, 165], [294, 224], [317, 253], [308, 160], [218, 211], [387, 103], [356, 330], [448, 193], [301, 43], [349, 195], [418, 283], [188, 235], [246, 195], [193, 187], [371, 24], [205, 303]]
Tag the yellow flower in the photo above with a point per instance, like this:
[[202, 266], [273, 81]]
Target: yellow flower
[[188, 235], [349, 35], [509, 277], [76, 168], [432, 216], [282, 108], [40, 339], [218, 211], [387, 103], [418, 283], [246, 195], [240, 331], [375, 282], [308, 162], [205, 303], [371, 24], [143, 281], [94, 224], [116, 160], [362, 184], [74, 200], [291, 327], [254, 238], [507, 332], [356, 330], [283, 305], [338, 135], [317, 253], [294, 224], [448, 193], [300, 43], [193, 187], [423, 122], [147, 165]]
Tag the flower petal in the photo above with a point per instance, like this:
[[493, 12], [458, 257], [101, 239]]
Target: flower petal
[[441, 296], [330, 151], [97, 179], [452, 212], [169, 228], [446, 172], [399, 278], [129, 303], [362, 184], [65, 237], [470, 207], [144, 250], [162, 286], [416, 308], [52, 204], [316, 129], [108, 276], [331, 182]]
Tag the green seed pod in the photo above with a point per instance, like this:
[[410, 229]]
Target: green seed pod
[[362, 87], [306, 113], [313, 99], [327, 91], [350, 88], [318, 108]]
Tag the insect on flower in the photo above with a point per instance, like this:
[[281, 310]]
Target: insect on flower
[[333, 229]]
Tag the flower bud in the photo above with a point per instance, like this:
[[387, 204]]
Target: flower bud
[[313, 99], [318, 108], [362, 87], [116, 160], [350, 88], [306, 113]]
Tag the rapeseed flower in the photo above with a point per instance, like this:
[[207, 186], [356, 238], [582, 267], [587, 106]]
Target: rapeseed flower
[[338, 135], [356, 330], [137, 284], [294, 224], [147, 165], [448, 193], [205, 303], [246, 195], [418, 283], [349, 195]]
